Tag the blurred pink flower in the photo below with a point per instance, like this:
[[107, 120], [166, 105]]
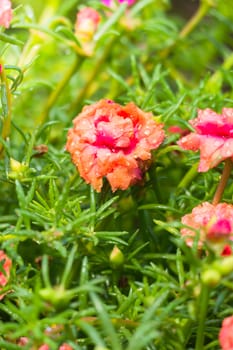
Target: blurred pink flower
[[24, 341], [5, 13], [213, 136], [44, 347], [65, 347], [112, 141], [108, 2], [62, 347], [85, 27], [226, 334], [178, 130], [213, 223], [6, 263], [87, 22]]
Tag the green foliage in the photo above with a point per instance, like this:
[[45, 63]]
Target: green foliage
[[64, 287]]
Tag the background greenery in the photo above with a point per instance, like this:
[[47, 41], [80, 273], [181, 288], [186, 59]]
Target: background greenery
[[58, 232]]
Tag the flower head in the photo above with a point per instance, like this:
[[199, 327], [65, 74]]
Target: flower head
[[112, 141], [226, 334], [6, 263], [213, 136], [214, 223], [5, 13]]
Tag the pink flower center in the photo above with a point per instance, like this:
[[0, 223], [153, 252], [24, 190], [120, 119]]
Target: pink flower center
[[220, 229], [210, 128], [116, 133]]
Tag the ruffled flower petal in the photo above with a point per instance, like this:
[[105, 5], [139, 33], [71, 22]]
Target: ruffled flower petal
[[213, 136], [109, 140]]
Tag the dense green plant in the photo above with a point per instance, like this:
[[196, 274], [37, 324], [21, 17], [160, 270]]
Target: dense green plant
[[109, 270]]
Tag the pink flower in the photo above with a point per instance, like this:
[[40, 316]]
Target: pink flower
[[5, 13], [85, 27], [212, 222], [44, 347], [65, 347], [86, 23], [213, 136], [226, 334], [6, 263], [24, 341], [112, 141], [108, 2], [62, 347]]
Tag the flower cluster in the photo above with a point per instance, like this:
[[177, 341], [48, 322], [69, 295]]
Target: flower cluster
[[112, 141], [213, 136], [5, 13]]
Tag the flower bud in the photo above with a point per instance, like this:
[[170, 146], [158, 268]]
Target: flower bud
[[85, 27], [116, 257], [5, 13], [211, 277], [225, 266], [57, 296]]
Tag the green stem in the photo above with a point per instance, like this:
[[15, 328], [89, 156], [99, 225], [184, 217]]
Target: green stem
[[189, 26], [59, 88], [96, 69], [195, 19], [92, 208], [189, 176], [223, 181], [201, 316], [6, 105]]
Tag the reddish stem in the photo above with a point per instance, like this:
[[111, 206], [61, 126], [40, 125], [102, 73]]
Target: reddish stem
[[223, 181]]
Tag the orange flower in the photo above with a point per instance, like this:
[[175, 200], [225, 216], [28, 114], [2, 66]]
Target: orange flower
[[213, 136], [213, 223], [112, 141], [6, 263], [5, 13], [226, 334]]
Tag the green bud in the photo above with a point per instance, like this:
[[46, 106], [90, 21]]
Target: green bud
[[225, 266], [116, 257], [211, 277], [148, 301], [56, 296]]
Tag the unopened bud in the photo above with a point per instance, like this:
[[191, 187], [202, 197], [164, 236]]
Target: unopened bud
[[85, 27], [116, 257], [211, 277], [225, 266]]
